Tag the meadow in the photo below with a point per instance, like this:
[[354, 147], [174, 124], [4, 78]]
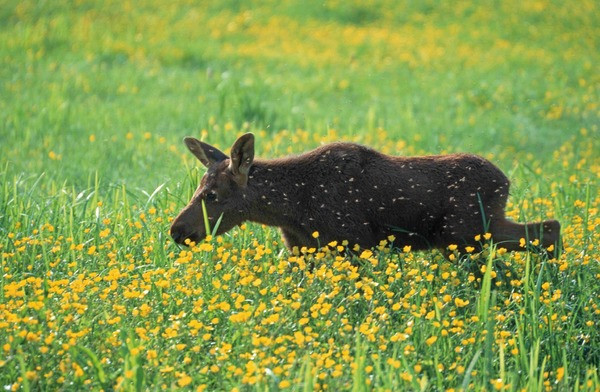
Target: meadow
[[96, 97]]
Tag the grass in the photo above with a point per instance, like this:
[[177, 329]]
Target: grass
[[97, 98]]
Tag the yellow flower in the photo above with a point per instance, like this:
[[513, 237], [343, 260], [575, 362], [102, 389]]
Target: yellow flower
[[498, 384], [366, 254], [184, 380], [560, 373], [78, 370], [394, 363], [299, 338], [315, 234], [563, 266], [431, 340]]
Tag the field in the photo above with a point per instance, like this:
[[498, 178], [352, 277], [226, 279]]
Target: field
[[96, 97]]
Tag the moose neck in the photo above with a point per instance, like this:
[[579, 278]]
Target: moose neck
[[271, 194]]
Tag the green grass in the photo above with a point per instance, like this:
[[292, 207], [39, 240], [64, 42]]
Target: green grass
[[96, 98]]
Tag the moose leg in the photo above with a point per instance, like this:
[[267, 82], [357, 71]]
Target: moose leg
[[292, 239], [507, 234]]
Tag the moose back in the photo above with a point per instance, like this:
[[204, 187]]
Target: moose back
[[346, 191]]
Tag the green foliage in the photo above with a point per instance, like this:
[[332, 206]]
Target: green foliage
[[97, 97]]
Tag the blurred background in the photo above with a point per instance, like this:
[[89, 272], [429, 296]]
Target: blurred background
[[111, 87]]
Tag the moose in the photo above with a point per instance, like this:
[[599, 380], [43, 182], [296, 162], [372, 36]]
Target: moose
[[346, 191]]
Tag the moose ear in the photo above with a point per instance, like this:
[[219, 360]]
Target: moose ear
[[242, 156], [206, 153]]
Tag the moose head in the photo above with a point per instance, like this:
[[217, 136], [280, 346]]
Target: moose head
[[221, 189]]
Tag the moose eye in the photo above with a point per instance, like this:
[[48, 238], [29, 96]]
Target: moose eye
[[210, 196]]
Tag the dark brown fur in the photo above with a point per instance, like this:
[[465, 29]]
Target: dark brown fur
[[350, 192]]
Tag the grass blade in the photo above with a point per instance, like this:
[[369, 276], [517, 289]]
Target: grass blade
[[467, 379], [205, 218]]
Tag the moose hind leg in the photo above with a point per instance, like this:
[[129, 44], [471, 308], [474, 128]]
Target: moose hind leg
[[508, 234]]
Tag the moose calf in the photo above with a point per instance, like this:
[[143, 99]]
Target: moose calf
[[346, 191]]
